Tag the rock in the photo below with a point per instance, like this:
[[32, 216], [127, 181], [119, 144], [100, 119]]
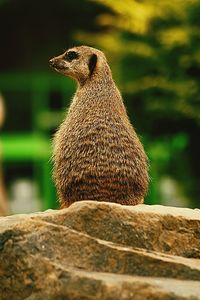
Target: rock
[[98, 250]]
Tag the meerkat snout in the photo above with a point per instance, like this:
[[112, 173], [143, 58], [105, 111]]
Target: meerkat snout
[[58, 64], [52, 62]]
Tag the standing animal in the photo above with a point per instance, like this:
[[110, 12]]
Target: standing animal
[[97, 153]]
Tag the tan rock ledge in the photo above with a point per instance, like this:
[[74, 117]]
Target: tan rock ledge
[[99, 250]]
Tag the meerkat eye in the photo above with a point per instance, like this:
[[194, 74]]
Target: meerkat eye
[[71, 55]]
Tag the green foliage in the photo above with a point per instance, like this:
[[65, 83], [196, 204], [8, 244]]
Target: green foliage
[[157, 48]]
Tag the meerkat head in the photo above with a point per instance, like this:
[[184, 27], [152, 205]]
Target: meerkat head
[[79, 63]]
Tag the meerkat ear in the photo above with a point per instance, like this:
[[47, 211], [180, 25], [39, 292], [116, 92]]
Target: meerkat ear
[[92, 63]]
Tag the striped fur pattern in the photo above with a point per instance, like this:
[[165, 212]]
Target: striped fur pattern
[[97, 154]]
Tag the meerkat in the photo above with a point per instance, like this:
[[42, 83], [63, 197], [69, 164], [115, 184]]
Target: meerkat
[[97, 154]]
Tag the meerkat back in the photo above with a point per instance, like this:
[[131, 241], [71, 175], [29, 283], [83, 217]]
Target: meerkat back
[[97, 154]]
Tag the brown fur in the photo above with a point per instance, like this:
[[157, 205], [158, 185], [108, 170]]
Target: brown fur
[[97, 154]]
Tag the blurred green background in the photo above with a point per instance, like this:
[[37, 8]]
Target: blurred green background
[[154, 52]]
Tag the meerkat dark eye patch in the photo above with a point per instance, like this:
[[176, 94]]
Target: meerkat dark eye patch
[[71, 55], [92, 63]]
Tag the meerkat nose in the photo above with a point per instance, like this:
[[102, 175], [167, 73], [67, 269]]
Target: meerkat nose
[[52, 62]]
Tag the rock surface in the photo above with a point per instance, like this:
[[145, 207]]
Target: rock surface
[[102, 251]]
